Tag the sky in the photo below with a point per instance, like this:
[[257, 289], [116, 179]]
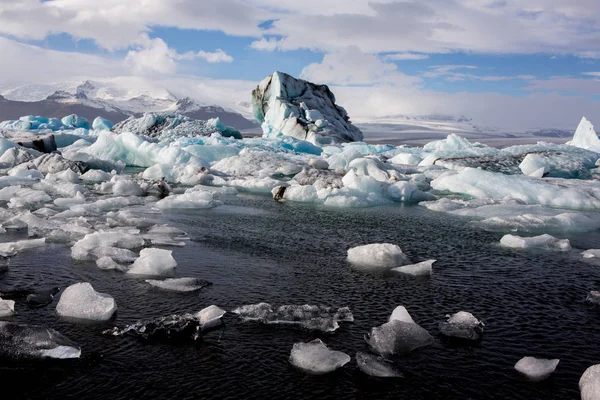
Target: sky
[[503, 63]]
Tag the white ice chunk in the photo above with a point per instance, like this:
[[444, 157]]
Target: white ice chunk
[[10, 249], [585, 137], [153, 262], [109, 264], [81, 302], [534, 165], [179, 284], [7, 308], [198, 200], [462, 325], [318, 163], [96, 175], [210, 317], [536, 369], [125, 187], [68, 202], [548, 242], [400, 313], [377, 255], [92, 244], [420, 269], [405, 159], [589, 383], [376, 366], [397, 337], [315, 357], [591, 253]]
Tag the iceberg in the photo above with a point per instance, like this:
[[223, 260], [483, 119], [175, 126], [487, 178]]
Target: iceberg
[[179, 284], [315, 358], [286, 106], [153, 262], [76, 121], [80, 302], [547, 242], [377, 366], [174, 328], [318, 318], [536, 369], [377, 256], [462, 325], [33, 341], [585, 136], [589, 383]]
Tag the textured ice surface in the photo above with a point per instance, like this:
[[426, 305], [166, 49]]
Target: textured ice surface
[[311, 317], [589, 383], [377, 256], [537, 242], [377, 366], [81, 302], [179, 284], [154, 262], [34, 341], [420, 269], [287, 106], [7, 308], [397, 337], [462, 325], [315, 357], [174, 328], [536, 369]]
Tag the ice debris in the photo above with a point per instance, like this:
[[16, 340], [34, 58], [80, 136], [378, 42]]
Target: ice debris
[[397, 337], [546, 241], [420, 269], [311, 317], [315, 358], [589, 383], [81, 302], [377, 366], [536, 369], [293, 107], [174, 328], [34, 341], [377, 256], [462, 325], [153, 262], [179, 284], [7, 308]]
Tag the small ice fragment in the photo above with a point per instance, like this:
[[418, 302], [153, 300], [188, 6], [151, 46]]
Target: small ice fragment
[[589, 383], [462, 325], [547, 242], [419, 269], [315, 358], [377, 366], [153, 262], [377, 255], [81, 302], [400, 313], [179, 284], [536, 369], [591, 253], [397, 337], [7, 308], [210, 317]]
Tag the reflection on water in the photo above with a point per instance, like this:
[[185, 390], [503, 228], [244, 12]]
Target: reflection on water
[[255, 250]]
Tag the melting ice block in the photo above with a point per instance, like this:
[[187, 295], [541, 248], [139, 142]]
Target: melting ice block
[[7, 308], [377, 366], [377, 255], [154, 262], [462, 325], [537, 242], [315, 357], [400, 313], [81, 302], [536, 369], [179, 284], [589, 383], [397, 337], [33, 341], [419, 269], [210, 317]]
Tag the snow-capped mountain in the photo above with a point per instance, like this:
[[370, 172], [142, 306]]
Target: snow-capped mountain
[[111, 100]]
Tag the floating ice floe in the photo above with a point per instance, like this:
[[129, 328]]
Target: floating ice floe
[[294, 107], [377, 366], [153, 262], [420, 269], [311, 317], [536, 369], [12, 248], [112, 244], [399, 335], [174, 328], [462, 325], [377, 256], [589, 383], [547, 242], [179, 284], [81, 302], [34, 341], [315, 358], [7, 308]]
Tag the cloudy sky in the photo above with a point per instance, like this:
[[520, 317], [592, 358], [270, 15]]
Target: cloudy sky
[[500, 62]]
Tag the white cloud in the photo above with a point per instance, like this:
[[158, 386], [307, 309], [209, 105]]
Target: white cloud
[[218, 56], [406, 56]]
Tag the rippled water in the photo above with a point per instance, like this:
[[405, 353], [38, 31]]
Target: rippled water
[[254, 250]]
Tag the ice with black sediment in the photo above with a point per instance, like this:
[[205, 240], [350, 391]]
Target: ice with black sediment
[[319, 318], [34, 341]]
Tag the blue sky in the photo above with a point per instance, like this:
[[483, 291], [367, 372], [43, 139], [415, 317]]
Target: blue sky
[[416, 57]]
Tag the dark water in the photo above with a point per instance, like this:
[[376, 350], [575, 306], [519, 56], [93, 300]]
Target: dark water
[[254, 250]]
